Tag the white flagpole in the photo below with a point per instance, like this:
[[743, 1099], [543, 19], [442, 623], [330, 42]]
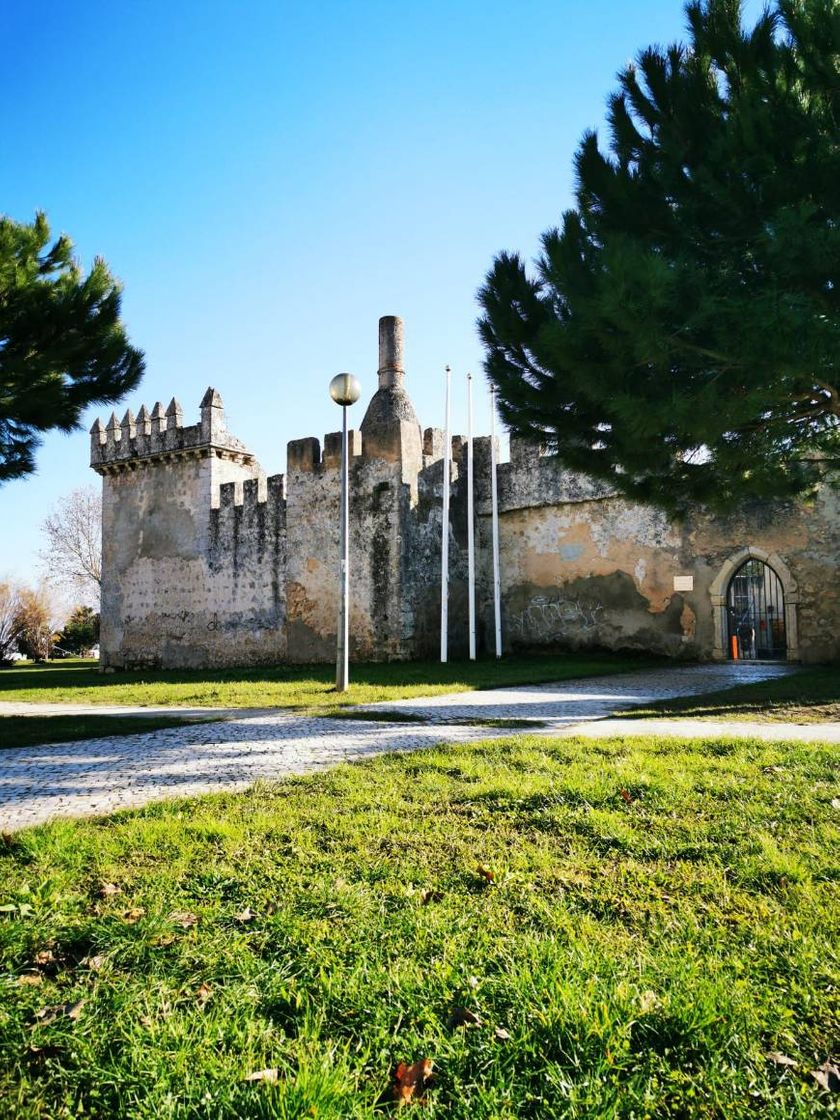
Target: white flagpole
[[444, 535], [494, 496], [470, 518]]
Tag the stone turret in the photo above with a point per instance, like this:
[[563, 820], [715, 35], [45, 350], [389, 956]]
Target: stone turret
[[390, 429]]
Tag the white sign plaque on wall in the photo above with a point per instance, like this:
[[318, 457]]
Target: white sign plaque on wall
[[683, 583]]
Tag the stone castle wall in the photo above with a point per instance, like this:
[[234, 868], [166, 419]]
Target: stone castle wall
[[581, 567], [207, 562]]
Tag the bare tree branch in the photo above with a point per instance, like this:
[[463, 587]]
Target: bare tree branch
[[11, 622], [73, 532]]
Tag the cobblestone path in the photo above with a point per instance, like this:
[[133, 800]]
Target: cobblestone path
[[100, 775]]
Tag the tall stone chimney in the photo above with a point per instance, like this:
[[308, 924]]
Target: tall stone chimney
[[390, 429], [391, 368]]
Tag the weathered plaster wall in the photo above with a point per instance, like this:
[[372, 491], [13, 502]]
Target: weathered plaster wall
[[581, 567]]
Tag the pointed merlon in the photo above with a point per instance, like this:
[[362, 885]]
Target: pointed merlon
[[158, 418], [212, 415], [98, 439], [175, 414], [129, 427], [211, 399], [144, 421]]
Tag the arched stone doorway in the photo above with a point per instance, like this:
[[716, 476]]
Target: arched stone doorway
[[754, 602]]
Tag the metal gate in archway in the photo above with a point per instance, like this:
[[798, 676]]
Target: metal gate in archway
[[755, 613]]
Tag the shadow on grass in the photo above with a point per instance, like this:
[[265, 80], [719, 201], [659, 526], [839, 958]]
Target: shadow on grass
[[31, 731], [809, 696], [69, 676]]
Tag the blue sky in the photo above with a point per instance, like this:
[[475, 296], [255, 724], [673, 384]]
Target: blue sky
[[268, 178]]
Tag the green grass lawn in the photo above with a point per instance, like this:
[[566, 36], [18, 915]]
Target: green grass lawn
[[809, 696], [295, 686], [622, 929], [30, 731]]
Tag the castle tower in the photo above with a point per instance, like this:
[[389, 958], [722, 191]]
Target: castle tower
[[167, 489], [390, 429]]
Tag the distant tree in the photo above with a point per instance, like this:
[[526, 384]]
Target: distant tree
[[680, 336], [81, 630], [10, 620], [62, 344], [35, 627], [73, 532]]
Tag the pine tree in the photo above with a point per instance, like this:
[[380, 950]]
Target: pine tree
[[680, 338], [81, 630], [62, 344]]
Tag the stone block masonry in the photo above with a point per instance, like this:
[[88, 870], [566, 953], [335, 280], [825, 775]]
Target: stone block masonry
[[207, 562]]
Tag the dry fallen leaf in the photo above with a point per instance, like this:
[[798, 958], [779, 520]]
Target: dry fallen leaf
[[246, 915], [163, 940], [501, 1034], [627, 797], [108, 890], [430, 895], [48, 1015], [486, 872], [29, 978], [779, 1059], [409, 1079], [183, 918], [827, 1076], [145, 1021], [835, 803], [133, 915], [44, 958], [203, 994], [462, 1017], [95, 963], [270, 1075]]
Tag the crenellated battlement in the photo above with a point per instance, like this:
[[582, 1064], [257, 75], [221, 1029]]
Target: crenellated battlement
[[534, 478], [309, 456], [250, 493], [161, 434], [248, 525]]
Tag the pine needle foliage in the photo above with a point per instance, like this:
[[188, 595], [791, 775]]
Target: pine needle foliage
[[679, 338], [62, 344]]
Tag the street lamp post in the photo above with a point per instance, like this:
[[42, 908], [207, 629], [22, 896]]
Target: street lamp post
[[344, 390]]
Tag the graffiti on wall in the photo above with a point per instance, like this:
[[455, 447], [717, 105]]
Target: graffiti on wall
[[550, 617]]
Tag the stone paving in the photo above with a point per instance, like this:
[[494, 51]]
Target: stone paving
[[100, 775], [589, 698]]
